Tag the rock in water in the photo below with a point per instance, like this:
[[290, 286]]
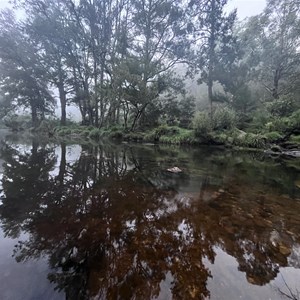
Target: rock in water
[[174, 170]]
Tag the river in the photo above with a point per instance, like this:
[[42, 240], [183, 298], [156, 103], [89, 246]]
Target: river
[[108, 221]]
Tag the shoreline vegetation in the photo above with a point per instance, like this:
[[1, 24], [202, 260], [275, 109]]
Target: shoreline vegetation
[[275, 136]]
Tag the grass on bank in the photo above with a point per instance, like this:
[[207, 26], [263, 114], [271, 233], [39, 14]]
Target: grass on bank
[[161, 134], [219, 129], [175, 135]]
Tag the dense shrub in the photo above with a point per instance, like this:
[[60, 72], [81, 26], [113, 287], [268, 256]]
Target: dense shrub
[[273, 136], [46, 127], [116, 134], [221, 138], [295, 119], [250, 140], [134, 136], [202, 124], [223, 118], [184, 136], [282, 107], [155, 134], [260, 118], [285, 124], [95, 134], [295, 139], [255, 140], [62, 130]]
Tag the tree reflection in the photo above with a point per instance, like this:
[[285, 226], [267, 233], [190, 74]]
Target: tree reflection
[[25, 182], [115, 224]]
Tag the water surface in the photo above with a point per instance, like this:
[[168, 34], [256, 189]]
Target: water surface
[[109, 222]]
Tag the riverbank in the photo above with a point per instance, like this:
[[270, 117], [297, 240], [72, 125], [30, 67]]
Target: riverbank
[[284, 140], [272, 142]]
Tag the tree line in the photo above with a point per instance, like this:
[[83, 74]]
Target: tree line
[[119, 61]]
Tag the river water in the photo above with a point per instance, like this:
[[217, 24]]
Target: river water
[[109, 221]]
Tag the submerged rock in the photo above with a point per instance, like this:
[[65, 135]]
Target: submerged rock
[[174, 170], [284, 250]]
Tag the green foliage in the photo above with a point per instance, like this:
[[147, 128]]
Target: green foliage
[[295, 139], [273, 136], [95, 134], [243, 100], [138, 85], [295, 118], [183, 136], [251, 140], [156, 133], [23, 79], [116, 134], [255, 140], [115, 128], [201, 123], [260, 119], [285, 124], [223, 118], [72, 131], [46, 127], [170, 135], [221, 138], [178, 111], [63, 131], [218, 40], [282, 107], [278, 124], [237, 138], [134, 136], [187, 109], [276, 61], [17, 123]]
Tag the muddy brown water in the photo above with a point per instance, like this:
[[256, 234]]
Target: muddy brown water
[[109, 222]]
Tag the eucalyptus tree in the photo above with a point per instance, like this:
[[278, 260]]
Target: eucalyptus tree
[[214, 38], [275, 39], [23, 78], [109, 57], [158, 43], [47, 25], [236, 75]]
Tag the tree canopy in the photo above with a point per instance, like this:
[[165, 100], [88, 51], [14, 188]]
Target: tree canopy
[[121, 61]]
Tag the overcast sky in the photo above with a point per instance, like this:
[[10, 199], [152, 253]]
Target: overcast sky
[[3, 3], [246, 8]]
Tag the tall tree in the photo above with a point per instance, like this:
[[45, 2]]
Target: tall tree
[[47, 25], [213, 32], [236, 76], [22, 74], [276, 40], [159, 43]]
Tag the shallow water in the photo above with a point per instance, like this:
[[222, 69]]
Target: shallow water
[[109, 222]]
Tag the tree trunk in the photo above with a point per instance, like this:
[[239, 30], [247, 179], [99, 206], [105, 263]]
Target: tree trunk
[[138, 116], [63, 104], [212, 45], [275, 93], [210, 94], [34, 115]]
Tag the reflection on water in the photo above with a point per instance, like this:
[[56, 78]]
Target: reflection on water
[[110, 222]]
